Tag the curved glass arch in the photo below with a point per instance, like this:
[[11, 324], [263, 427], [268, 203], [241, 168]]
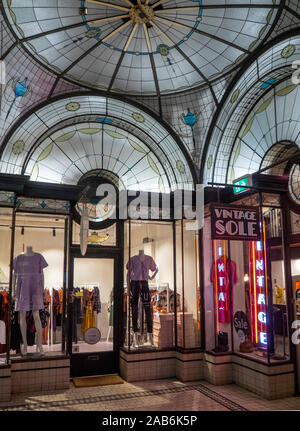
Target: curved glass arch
[[63, 140], [270, 68], [276, 118]]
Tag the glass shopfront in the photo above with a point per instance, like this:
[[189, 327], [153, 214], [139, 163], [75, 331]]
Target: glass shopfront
[[95, 300], [38, 291], [5, 251], [245, 293], [162, 305]]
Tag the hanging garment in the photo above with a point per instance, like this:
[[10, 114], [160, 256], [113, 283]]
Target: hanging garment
[[55, 306], [15, 331], [59, 308], [111, 309], [4, 319], [30, 329], [225, 276], [97, 302], [29, 289], [3, 304], [89, 317], [2, 332], [45, 329]]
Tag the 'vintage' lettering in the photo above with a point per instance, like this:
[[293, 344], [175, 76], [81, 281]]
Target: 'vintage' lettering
[[235, 223]]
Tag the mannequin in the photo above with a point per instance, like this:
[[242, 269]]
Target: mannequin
[[137, 278], [28, 285]]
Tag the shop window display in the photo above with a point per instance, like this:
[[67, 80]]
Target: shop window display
[[5, 249], [161, 293], [188, 286], [245, 287], [37, 325], [220, 277], [149, 285], [92, 305]]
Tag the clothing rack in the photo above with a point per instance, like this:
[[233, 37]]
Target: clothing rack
[[56, 286], [89, 285]]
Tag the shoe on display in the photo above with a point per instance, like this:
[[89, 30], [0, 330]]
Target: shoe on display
[[24, 350], [135, 343], [149, 341], [40, 350]]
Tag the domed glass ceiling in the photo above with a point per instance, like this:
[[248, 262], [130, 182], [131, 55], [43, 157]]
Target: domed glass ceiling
[[140, 46]]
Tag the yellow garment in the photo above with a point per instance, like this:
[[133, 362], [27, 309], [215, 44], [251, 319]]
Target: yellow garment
[[60, 295], [89, 318], [279, 296]]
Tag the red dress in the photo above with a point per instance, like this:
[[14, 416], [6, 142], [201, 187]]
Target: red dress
[[225, 282]]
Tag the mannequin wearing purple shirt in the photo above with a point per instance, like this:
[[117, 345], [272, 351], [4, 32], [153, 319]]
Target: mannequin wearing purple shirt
[[137, 278], [28, 282]]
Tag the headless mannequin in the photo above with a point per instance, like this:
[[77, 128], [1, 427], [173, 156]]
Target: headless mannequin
[[36, 316], [136, 334]]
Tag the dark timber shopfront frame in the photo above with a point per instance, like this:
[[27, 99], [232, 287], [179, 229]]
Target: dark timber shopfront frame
[[185, 364]]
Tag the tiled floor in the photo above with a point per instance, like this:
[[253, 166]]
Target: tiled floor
[[165, 395]]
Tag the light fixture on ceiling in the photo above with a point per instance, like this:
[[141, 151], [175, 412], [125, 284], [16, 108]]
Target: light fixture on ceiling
[[147, 239], [54, 232], [22, 230]]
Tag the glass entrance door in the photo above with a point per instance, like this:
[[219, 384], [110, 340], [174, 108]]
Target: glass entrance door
[[91, 316]]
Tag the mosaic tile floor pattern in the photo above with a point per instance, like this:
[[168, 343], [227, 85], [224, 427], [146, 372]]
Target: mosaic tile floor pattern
[[163, 395]]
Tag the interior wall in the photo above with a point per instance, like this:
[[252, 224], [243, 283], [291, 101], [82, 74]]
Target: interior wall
[[5, 234], [161, 249], [51, 247]]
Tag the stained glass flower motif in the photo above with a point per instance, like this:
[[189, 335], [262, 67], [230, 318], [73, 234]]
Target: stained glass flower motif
[[18, 147]]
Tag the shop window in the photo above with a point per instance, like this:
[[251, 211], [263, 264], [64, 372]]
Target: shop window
[[219, 278], [244, 292], [188, 286], [5, 250], [38, 284], [149, 271], [92, 305]]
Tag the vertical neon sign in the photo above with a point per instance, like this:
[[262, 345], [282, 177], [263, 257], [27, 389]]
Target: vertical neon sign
[[258, 290]]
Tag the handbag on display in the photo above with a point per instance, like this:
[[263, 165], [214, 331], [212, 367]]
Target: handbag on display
[[222, 342]]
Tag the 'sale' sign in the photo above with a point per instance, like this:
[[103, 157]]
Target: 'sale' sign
[[235, 223]]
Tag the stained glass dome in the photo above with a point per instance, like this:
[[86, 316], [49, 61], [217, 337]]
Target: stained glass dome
[[140, 46]]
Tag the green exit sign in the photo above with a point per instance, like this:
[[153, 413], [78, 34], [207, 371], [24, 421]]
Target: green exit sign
[[241, 184]]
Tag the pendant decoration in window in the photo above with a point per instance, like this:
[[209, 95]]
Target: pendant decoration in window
[[84, 229]]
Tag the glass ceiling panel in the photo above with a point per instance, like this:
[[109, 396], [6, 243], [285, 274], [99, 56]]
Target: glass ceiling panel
[[110, 45], [271, 67], [58, 144]]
